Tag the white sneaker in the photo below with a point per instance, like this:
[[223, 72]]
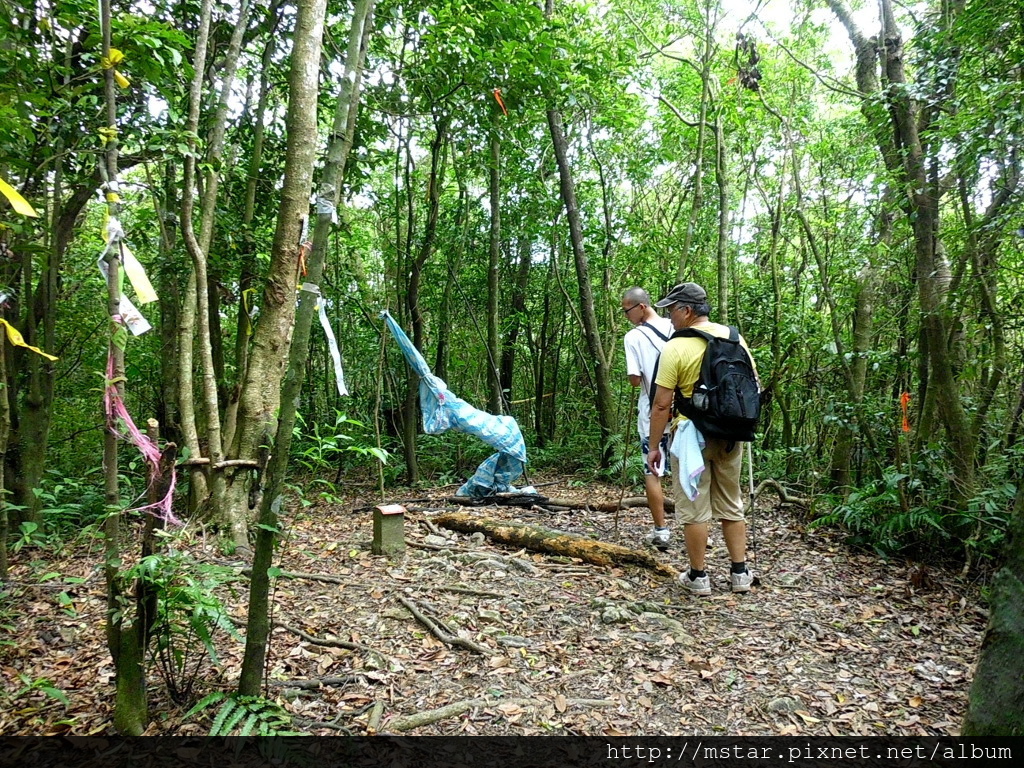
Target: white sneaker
[[699, 586], [741, 581], [659, 539]]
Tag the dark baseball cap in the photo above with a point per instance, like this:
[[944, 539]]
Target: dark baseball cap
[[684, 293]]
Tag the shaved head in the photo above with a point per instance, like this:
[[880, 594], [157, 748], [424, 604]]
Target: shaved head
[[636, 295]]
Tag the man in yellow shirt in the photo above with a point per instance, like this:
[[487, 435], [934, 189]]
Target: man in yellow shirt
[[718, 491]]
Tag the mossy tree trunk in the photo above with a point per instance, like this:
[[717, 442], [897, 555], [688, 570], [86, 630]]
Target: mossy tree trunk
[[996, 706]]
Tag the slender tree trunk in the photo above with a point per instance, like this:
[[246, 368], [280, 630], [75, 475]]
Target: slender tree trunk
[[5, 431], [199, 249], [302, 111], [167, 408], [722, 177], [247, 265], [905, 124], [603, 399], [698, 162], [187, 317], [122, 621], [454, 262], [517, 312], [494, 395]]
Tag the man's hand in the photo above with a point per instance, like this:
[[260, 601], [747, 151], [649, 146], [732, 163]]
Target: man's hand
[[654, 459]]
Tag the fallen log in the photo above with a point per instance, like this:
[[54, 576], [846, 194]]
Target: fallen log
[[554, 542], [627, 503]]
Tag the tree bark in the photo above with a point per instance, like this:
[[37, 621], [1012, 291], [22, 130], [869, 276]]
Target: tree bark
[[603, 400], [554, 542], [994, 708], [494, 395], [261, 390], [272, 337]]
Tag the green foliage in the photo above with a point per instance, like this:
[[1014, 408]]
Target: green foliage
[[70, 504], [29, 535], [892, 516], [323, 447], [41, 684], [244, 716], [188, 615]]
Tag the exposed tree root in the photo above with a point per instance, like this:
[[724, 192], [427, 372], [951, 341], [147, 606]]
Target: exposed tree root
[[325, 642], [555, 542], [320, 682], [784, 495], [439, 633], [458, 707]]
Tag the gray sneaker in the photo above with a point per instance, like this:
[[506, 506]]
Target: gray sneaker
[[741, 581], [699, 586], [659, 539]]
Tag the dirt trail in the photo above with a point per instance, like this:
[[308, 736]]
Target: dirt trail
[[832, 642]]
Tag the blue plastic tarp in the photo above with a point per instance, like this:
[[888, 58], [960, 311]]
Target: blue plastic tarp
[[443, 410]]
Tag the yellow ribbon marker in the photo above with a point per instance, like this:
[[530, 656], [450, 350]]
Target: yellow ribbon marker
[[18, 340], [137, 276], [107, 134], [18, 203], [111, 62]]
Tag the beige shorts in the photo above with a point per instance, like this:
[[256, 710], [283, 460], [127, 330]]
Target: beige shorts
[[718, 493]]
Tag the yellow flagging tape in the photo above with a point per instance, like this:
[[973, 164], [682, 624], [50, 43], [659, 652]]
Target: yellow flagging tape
[[137, 276], [108, 134], [111, 62], [17, 340], [18, 203]]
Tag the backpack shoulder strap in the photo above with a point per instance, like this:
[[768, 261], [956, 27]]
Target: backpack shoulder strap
[[657, 333], [693, 332]]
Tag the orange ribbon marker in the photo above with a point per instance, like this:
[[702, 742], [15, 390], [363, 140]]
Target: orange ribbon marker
[[497, 98], [904, 403]]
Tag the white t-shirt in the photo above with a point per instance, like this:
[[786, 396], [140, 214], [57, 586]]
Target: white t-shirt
[[642, 349]]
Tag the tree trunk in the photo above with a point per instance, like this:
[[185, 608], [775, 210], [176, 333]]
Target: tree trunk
[[261, 391], [997, 691], [494, 395], [722, 177], [554, 542], [5, 431], [122, 620], [517, 311], [258, 622], [247, 261], [899, 127], [603, 400], [199, 250]]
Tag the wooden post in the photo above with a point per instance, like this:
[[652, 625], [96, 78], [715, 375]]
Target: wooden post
[[388, 529]]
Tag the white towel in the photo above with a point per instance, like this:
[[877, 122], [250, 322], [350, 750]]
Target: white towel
[[687, 444]]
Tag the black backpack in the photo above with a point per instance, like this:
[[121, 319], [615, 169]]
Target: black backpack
[[726, 400]]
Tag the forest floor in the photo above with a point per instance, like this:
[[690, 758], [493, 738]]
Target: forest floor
[[833, 641]]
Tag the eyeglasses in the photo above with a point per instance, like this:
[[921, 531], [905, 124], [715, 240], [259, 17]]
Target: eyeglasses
[[627, 310]]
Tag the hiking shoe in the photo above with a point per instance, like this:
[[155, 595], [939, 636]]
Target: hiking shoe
[[659, 538], [699, 586], [741, 581]]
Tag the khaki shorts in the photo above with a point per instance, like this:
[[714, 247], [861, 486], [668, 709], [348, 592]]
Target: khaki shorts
[[718, 493]]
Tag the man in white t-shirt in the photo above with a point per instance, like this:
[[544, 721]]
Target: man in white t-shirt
[[643, 345]]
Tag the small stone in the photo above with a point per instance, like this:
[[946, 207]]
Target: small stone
[[485, 614], [513, 641], [477, 538], [784, 704], [436, 541]]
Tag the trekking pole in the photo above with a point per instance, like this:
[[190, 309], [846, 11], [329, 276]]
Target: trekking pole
[[750, 477]]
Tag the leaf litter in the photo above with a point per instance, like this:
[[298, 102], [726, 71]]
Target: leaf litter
[[512, 642]]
